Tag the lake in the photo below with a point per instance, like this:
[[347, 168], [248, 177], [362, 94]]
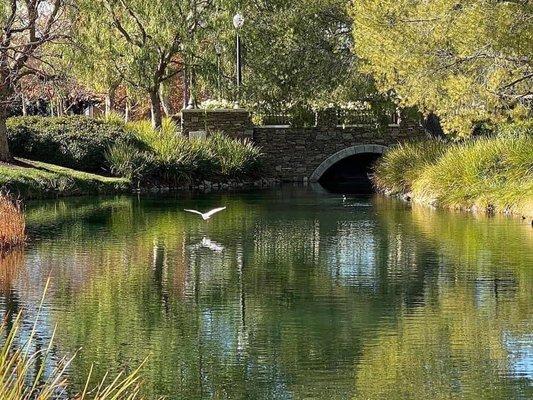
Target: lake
[[288, 294]]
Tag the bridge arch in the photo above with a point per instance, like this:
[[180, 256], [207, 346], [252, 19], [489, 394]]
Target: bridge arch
[[345, 153]]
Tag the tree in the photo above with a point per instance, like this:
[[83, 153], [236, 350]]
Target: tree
[[27, 28], [297, 56], [468, 62], [147, 43], [89, 58]]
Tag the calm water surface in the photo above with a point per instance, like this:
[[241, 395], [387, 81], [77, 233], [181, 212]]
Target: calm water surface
[[289, 294]]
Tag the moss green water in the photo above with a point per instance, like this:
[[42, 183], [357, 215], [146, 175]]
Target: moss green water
[[286, 295]]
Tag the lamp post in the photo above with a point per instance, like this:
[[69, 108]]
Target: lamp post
[[238, 22], [218, 50], [192, 97]]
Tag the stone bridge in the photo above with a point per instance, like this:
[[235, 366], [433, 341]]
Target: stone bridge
[[301, 154]]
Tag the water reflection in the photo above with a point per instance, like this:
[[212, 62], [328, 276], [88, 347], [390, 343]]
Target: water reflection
[[288, 294]]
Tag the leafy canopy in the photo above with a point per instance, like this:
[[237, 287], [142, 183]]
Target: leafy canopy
[[469, 62]]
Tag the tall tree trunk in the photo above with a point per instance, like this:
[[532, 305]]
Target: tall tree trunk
[[127, 110], [110, 100], [5, 154], [155, 100], [165, 102]]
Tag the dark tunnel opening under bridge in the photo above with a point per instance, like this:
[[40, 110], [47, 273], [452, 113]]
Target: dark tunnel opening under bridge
[[351, 175]]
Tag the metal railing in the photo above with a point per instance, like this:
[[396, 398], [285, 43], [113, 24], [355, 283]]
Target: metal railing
[[337, 117]]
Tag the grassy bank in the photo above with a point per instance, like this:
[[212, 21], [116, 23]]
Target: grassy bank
[[492, 174], [33, 179]]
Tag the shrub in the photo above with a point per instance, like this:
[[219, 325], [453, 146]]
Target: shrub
[[129, 162], [75, 142], [521, 128], [12, 224], [214, 104], [494, 172], [400, 167], [235, 158], [163, 142]]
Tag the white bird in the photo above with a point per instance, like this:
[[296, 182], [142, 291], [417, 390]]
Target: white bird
[[207, 215]]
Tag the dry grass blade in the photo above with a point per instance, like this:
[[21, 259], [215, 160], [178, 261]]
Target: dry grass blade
[[22, 369], [12, 223]]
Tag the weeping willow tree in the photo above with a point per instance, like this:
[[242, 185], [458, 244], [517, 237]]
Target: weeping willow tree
[[296, 56]]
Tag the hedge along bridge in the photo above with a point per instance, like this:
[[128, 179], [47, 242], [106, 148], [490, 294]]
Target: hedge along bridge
[[304, 154]]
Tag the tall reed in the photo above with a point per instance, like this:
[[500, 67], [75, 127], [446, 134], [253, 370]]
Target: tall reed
[[12, 223], [24, 376]]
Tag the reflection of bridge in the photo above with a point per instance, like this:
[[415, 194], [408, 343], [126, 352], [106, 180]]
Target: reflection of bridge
[[299, 154]]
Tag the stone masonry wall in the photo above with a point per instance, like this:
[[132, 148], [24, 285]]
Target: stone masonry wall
[[234, 123], [293, 154]]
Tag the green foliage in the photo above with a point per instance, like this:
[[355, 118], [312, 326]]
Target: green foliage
[[163, 141], [235, 158], [213, 104], [129, 162], [139, 44], [468, 62], [489, 173], [521, 128], [114, 118], [399, 168], [74, 142], [297, 55], [173, 159]]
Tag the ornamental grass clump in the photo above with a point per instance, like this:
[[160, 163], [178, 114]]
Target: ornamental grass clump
[[235, 158], [487, 173], [171, 158], [12, 224], [400, 167]]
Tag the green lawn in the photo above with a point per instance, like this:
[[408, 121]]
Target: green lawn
[[33, 179]]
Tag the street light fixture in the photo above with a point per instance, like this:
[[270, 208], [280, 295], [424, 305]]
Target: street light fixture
[[238, 22], [219, 49]]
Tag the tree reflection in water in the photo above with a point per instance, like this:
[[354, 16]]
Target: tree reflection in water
[[286, 295]]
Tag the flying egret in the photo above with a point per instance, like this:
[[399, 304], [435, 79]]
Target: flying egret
[[207, 215]]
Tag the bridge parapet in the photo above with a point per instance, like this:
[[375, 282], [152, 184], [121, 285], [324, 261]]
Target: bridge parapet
[[235, 123]]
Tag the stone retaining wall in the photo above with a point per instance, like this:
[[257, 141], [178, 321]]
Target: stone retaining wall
[[235, 123]]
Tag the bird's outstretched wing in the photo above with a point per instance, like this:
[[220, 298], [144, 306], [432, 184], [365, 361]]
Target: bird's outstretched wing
[[213, 212], [195, 212]]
